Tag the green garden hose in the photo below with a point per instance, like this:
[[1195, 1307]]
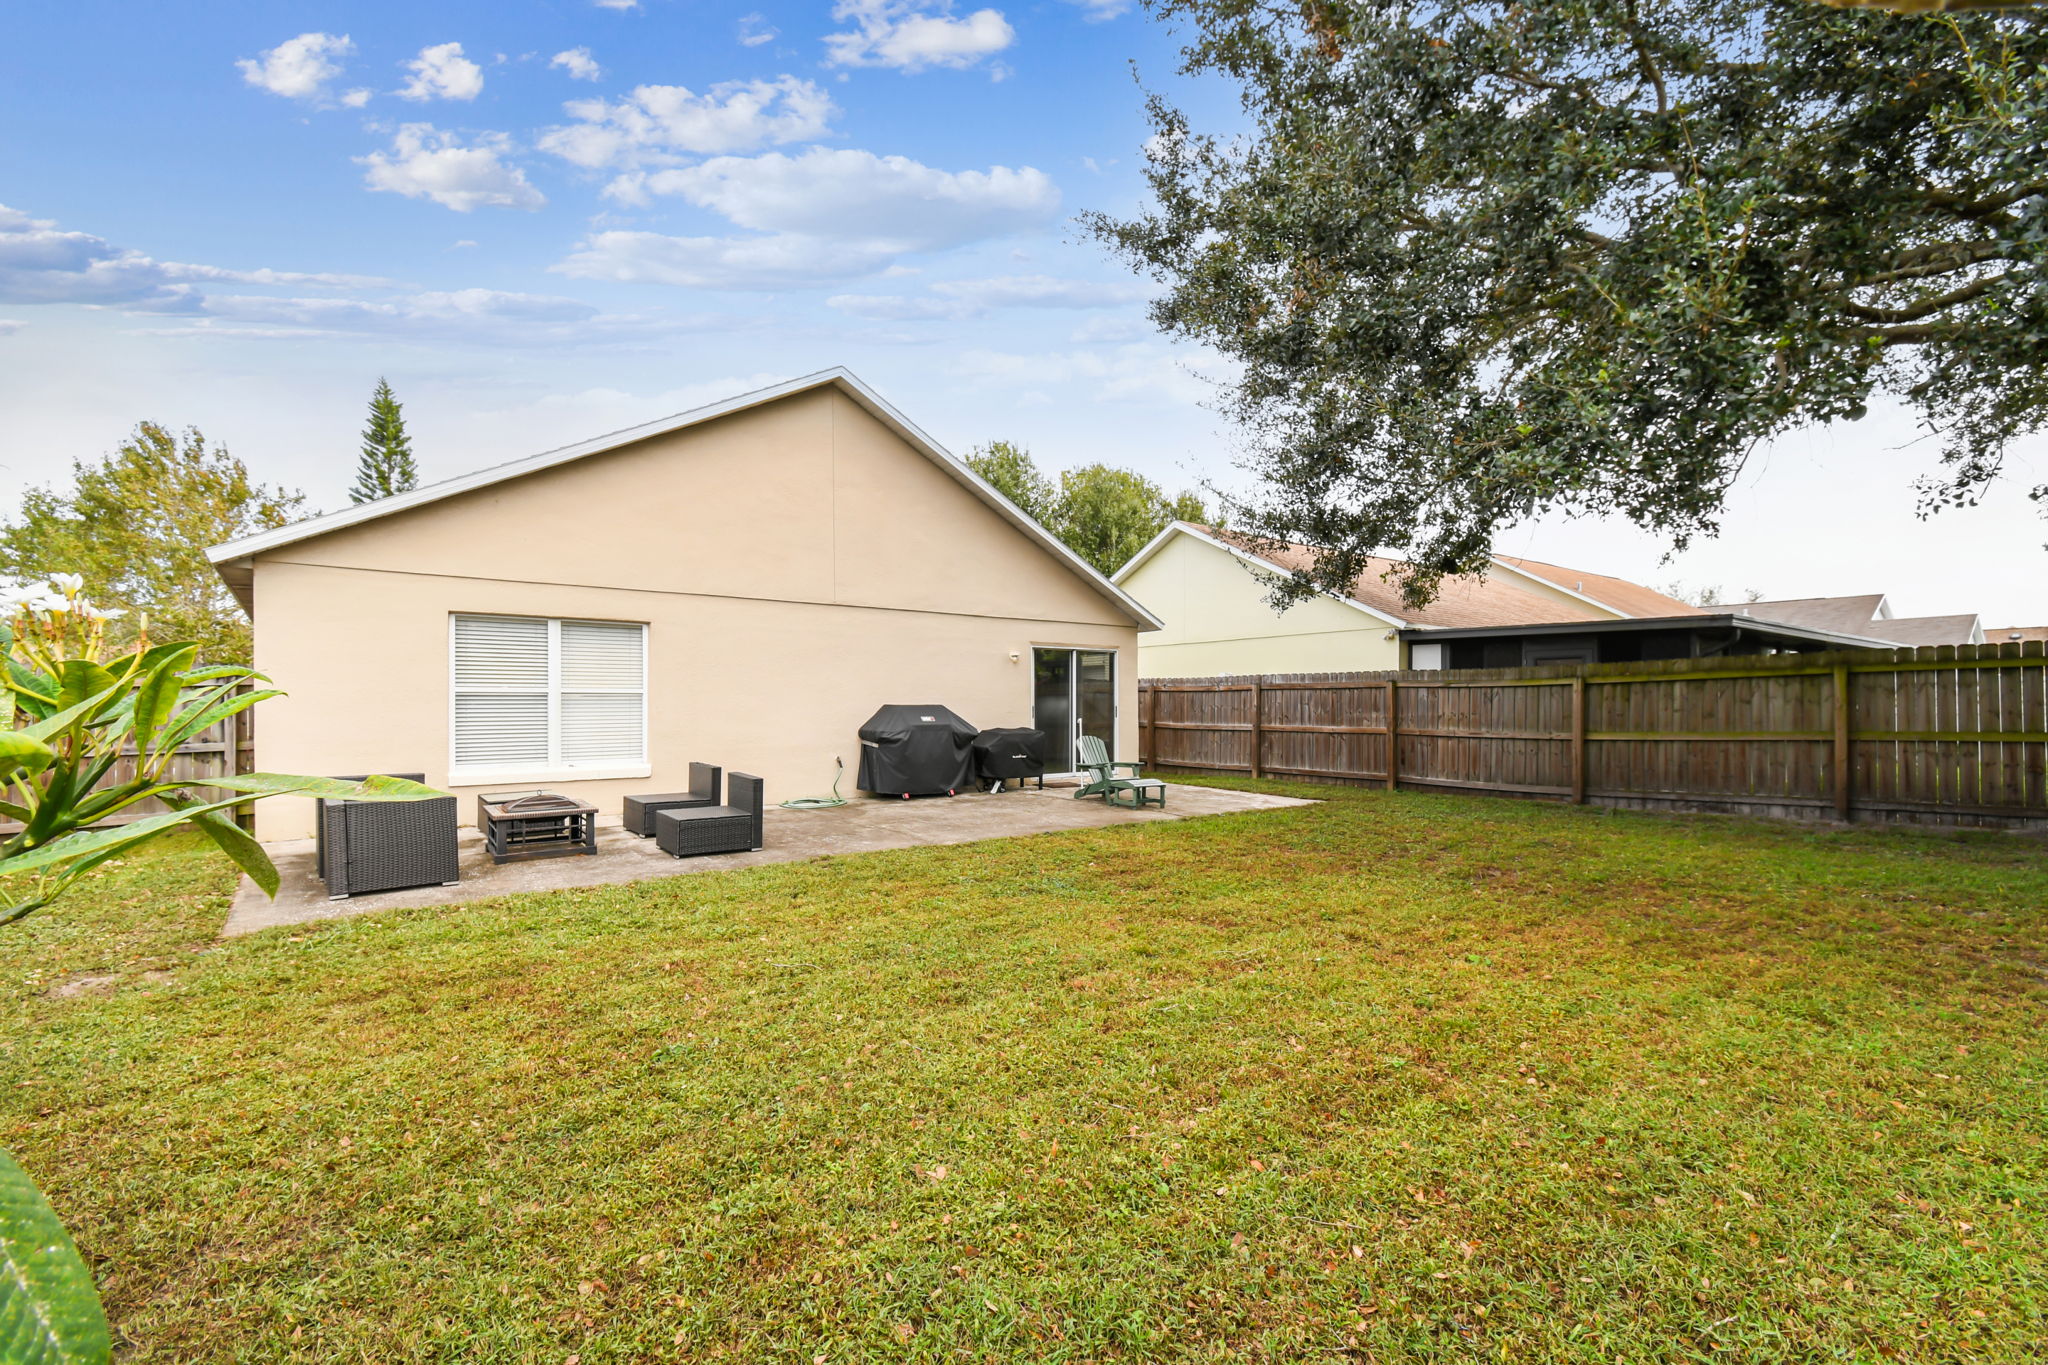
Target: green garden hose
[[821, 802]]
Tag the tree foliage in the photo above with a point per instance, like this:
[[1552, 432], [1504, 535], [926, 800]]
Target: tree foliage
[[1480, 259], [1102, 513], [386, 465], [138, 524]]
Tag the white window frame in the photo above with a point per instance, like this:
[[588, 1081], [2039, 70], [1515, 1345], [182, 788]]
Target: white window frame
[[554, 768]]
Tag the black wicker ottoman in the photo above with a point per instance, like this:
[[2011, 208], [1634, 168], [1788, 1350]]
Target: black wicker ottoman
[[732, 828], [640, 811], [363, 846]]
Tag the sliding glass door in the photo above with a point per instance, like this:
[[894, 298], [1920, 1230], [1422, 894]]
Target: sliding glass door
[[1073, 694]]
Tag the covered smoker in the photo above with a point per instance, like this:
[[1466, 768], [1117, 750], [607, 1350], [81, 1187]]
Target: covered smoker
[[915, 751], [1000, 754]]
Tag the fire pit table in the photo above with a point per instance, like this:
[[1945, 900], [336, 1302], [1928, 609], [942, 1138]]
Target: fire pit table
[[536, 824]]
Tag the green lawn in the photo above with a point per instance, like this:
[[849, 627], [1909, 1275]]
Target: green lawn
[[1380, 1079]]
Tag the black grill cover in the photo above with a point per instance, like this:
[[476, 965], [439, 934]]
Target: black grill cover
[[1009, 753], [915, 751]]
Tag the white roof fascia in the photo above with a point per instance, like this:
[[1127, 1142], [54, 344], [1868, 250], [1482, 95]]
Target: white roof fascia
[[548, 459]]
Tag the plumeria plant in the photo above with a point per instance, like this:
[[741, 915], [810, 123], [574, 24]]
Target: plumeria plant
[[87, 739], [76, 715]]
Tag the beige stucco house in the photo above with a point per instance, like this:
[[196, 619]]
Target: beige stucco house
[[742, 584], [1209, 589]]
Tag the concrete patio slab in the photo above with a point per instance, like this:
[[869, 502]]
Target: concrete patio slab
[[865, 825]]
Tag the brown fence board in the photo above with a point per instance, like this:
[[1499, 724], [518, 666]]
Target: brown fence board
[[1953, 731]]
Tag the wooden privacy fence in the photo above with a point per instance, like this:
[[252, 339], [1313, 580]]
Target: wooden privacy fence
[[1957, 733], [221, 749]]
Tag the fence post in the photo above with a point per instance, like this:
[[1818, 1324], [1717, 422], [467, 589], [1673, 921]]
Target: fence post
[[1579, 737], [1393, 735], [1258, 733], [1148, 732], [1844, 761]]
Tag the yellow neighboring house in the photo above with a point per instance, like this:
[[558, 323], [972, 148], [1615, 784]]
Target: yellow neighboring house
[[1209, 589]]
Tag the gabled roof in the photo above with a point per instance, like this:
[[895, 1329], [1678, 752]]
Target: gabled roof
[[1960, 629], [1617, 594], [1466, 600], [236, 552], [1857, 615]]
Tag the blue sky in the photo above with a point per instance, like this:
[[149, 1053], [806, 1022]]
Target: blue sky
[[545, 221]]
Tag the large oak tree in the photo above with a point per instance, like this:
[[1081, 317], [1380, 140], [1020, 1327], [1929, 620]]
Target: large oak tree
[[1482, 259]]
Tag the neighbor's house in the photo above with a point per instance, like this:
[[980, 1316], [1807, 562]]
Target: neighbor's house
[[1210, 587], [741, 584]]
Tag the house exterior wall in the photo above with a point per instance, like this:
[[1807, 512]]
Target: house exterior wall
[[1216, 620], [797, 565]]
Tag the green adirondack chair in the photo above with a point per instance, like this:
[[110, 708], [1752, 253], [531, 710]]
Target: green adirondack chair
[[1133, 791]]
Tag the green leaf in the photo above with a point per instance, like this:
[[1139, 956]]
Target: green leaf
[[104, 842], [214, 706], [80, 679], [332, 788], [50, 1313], [57, 722], [157, 694], [234, 841], [19, 751], [30, 685]]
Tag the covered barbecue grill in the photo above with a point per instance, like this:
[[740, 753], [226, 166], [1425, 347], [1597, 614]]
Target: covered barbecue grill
[[1000, 754], [915, 751]]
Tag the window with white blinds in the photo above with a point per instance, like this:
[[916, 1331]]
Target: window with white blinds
[[543, 695]]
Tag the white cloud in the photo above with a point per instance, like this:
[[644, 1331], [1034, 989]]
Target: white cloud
[[355, 99], [753, 31], [848, 194], [1111, 329], [783, 261], [1135, 371], [825, 215], [1097, 11], [476, 316], [911, 35], [9, 326], [580, 65], [298, 68], [425, 163], [655, 122], [441, 72], [957, 299], [616, 4], [41, 263], [324, 279]]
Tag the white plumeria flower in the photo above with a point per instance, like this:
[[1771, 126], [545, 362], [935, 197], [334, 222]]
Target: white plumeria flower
[[69, 584], [50, 602], [13, 596]]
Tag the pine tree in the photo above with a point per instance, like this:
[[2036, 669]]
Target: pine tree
[[386, 467]]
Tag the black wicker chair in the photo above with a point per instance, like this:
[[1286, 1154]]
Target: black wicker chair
[[641, 810], [362, 846], [734, 827]]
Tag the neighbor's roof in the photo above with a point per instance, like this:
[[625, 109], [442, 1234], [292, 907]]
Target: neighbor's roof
[[1630, 599], [1466, 600], [2007, 634], [223, 556], [1844, 615], [1927, 630]]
